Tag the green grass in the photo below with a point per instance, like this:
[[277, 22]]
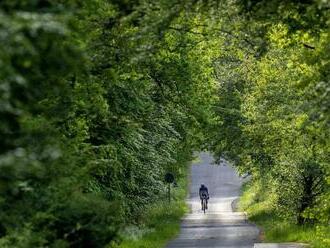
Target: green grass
[[258, 206], [163, 225], [161, 222]]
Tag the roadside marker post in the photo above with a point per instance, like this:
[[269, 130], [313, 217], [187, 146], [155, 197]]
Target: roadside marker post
[[169, 178]]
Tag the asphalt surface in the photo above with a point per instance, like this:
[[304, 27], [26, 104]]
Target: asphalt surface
[[220, 227]]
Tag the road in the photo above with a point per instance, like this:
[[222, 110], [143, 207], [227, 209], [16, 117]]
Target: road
[[220, 227]]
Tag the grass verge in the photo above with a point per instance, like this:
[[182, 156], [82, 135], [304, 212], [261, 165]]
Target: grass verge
[[161, 221], [260, 210]]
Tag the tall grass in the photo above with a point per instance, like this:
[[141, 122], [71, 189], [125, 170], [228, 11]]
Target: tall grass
[[160, 223], [259, 206]]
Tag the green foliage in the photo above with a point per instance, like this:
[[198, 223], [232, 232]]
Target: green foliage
[[98, 100], [259, 205], [273, 119]]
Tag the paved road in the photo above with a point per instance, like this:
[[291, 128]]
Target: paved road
[[220, 227]]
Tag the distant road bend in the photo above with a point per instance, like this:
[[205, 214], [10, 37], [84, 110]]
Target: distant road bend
[[220, 227]]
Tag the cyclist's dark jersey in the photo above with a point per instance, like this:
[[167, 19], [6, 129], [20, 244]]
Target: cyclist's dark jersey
[[203, 190]]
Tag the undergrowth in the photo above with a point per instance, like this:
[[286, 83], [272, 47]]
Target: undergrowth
[[160, 223], [259, 206]]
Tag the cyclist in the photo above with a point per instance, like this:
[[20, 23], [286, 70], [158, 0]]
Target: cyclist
[[203, 194]]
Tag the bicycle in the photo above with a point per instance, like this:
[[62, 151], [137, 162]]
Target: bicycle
[[204, 202]]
